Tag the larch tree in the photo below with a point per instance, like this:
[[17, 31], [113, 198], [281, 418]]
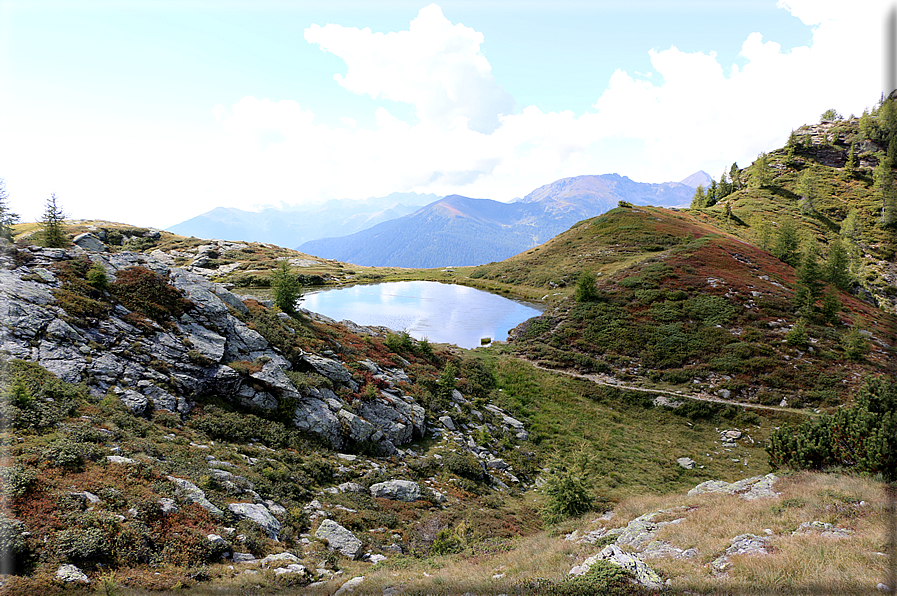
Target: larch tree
[[53, 221], [7, 217]]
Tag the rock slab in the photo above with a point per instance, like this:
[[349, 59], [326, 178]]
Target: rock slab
[[339, 538], [396, 490]]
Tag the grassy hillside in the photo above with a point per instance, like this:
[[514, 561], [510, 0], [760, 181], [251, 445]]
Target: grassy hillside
[[681, 304]]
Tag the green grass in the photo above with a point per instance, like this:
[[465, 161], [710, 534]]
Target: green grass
[[630, 446]]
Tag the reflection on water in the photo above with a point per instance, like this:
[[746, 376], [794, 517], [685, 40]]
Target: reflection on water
[[443, 313]]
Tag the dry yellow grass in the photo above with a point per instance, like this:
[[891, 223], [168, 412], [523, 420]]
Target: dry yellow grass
[[800, 564]]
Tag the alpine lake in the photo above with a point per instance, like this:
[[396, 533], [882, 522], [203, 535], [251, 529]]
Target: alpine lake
[[438, 312]]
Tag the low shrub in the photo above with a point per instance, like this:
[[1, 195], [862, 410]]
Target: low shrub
[[859, 437], [16, 480], [148, 293], [463, 464], [568, 495], [32, 397]]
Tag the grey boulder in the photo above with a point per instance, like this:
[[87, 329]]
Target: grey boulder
[[71, 574], [257, 514], [339, 539], [396, 490]]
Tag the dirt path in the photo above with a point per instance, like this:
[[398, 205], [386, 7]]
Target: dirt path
[[697, 397]]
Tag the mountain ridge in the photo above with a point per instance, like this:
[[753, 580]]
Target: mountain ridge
[[463, 231]]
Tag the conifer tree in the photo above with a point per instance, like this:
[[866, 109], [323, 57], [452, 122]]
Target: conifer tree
[[287, 289], [735, 176], [831, 306], [724, 188], [53, 221], [809, 283], [699, 200], [837, 266], [760, 175], [787, 243], [807, 189], [885, 192], [712, 194], [7, 217], [764, 233], [851, 165], [852, 227], [868, 126]]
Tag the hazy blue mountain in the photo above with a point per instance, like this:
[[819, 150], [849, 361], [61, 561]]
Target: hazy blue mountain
[[290, 228], [459, 230]]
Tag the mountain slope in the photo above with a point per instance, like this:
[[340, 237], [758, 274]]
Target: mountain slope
[[680, 303], [292, 227], [462, 231]]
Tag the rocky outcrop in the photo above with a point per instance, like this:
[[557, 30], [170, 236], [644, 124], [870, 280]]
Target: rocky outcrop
[[744, 544], [339, 539], [191, 493], [257, 514], [167, 366], [396, 490], [70, 574], [613, 554], [758, 487]]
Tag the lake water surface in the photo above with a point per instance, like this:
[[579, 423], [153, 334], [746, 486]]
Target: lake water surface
[[442, 313]]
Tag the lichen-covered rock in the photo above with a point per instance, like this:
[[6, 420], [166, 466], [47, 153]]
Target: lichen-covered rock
[[339, 539], [641, 531], [758, 487], [358, 428], [686, 462], [134, 402], [326, 367], [661, 549], [613, 554], [89, 242], [71, 574], [313, 416], [349, 586], [743, 544], [396, 490], [193, 494], [279, 559], [257, 514], [824, 529]]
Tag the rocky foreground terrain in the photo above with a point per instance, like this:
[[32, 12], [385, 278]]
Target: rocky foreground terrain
[[136, 340]]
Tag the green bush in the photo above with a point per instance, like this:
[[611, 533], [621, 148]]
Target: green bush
[[82, 546], [712, 310], [463, 464], [568, 495], [797, 335], [32, 397], [602, 579], [860, 437], [12, 543], [586, 290], [97, 278], [399, 343], [148, 293], [854, 344], [286, 288], [234, 427], [16, 480], [64, 453]]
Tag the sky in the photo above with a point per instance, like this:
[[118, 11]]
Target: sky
[[151, 112]]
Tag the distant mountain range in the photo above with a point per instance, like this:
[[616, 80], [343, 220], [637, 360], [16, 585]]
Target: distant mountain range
[[290, 228], [459, 230]]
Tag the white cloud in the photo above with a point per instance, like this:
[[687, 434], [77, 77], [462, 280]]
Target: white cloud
[[434, 65], [692, 112]]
